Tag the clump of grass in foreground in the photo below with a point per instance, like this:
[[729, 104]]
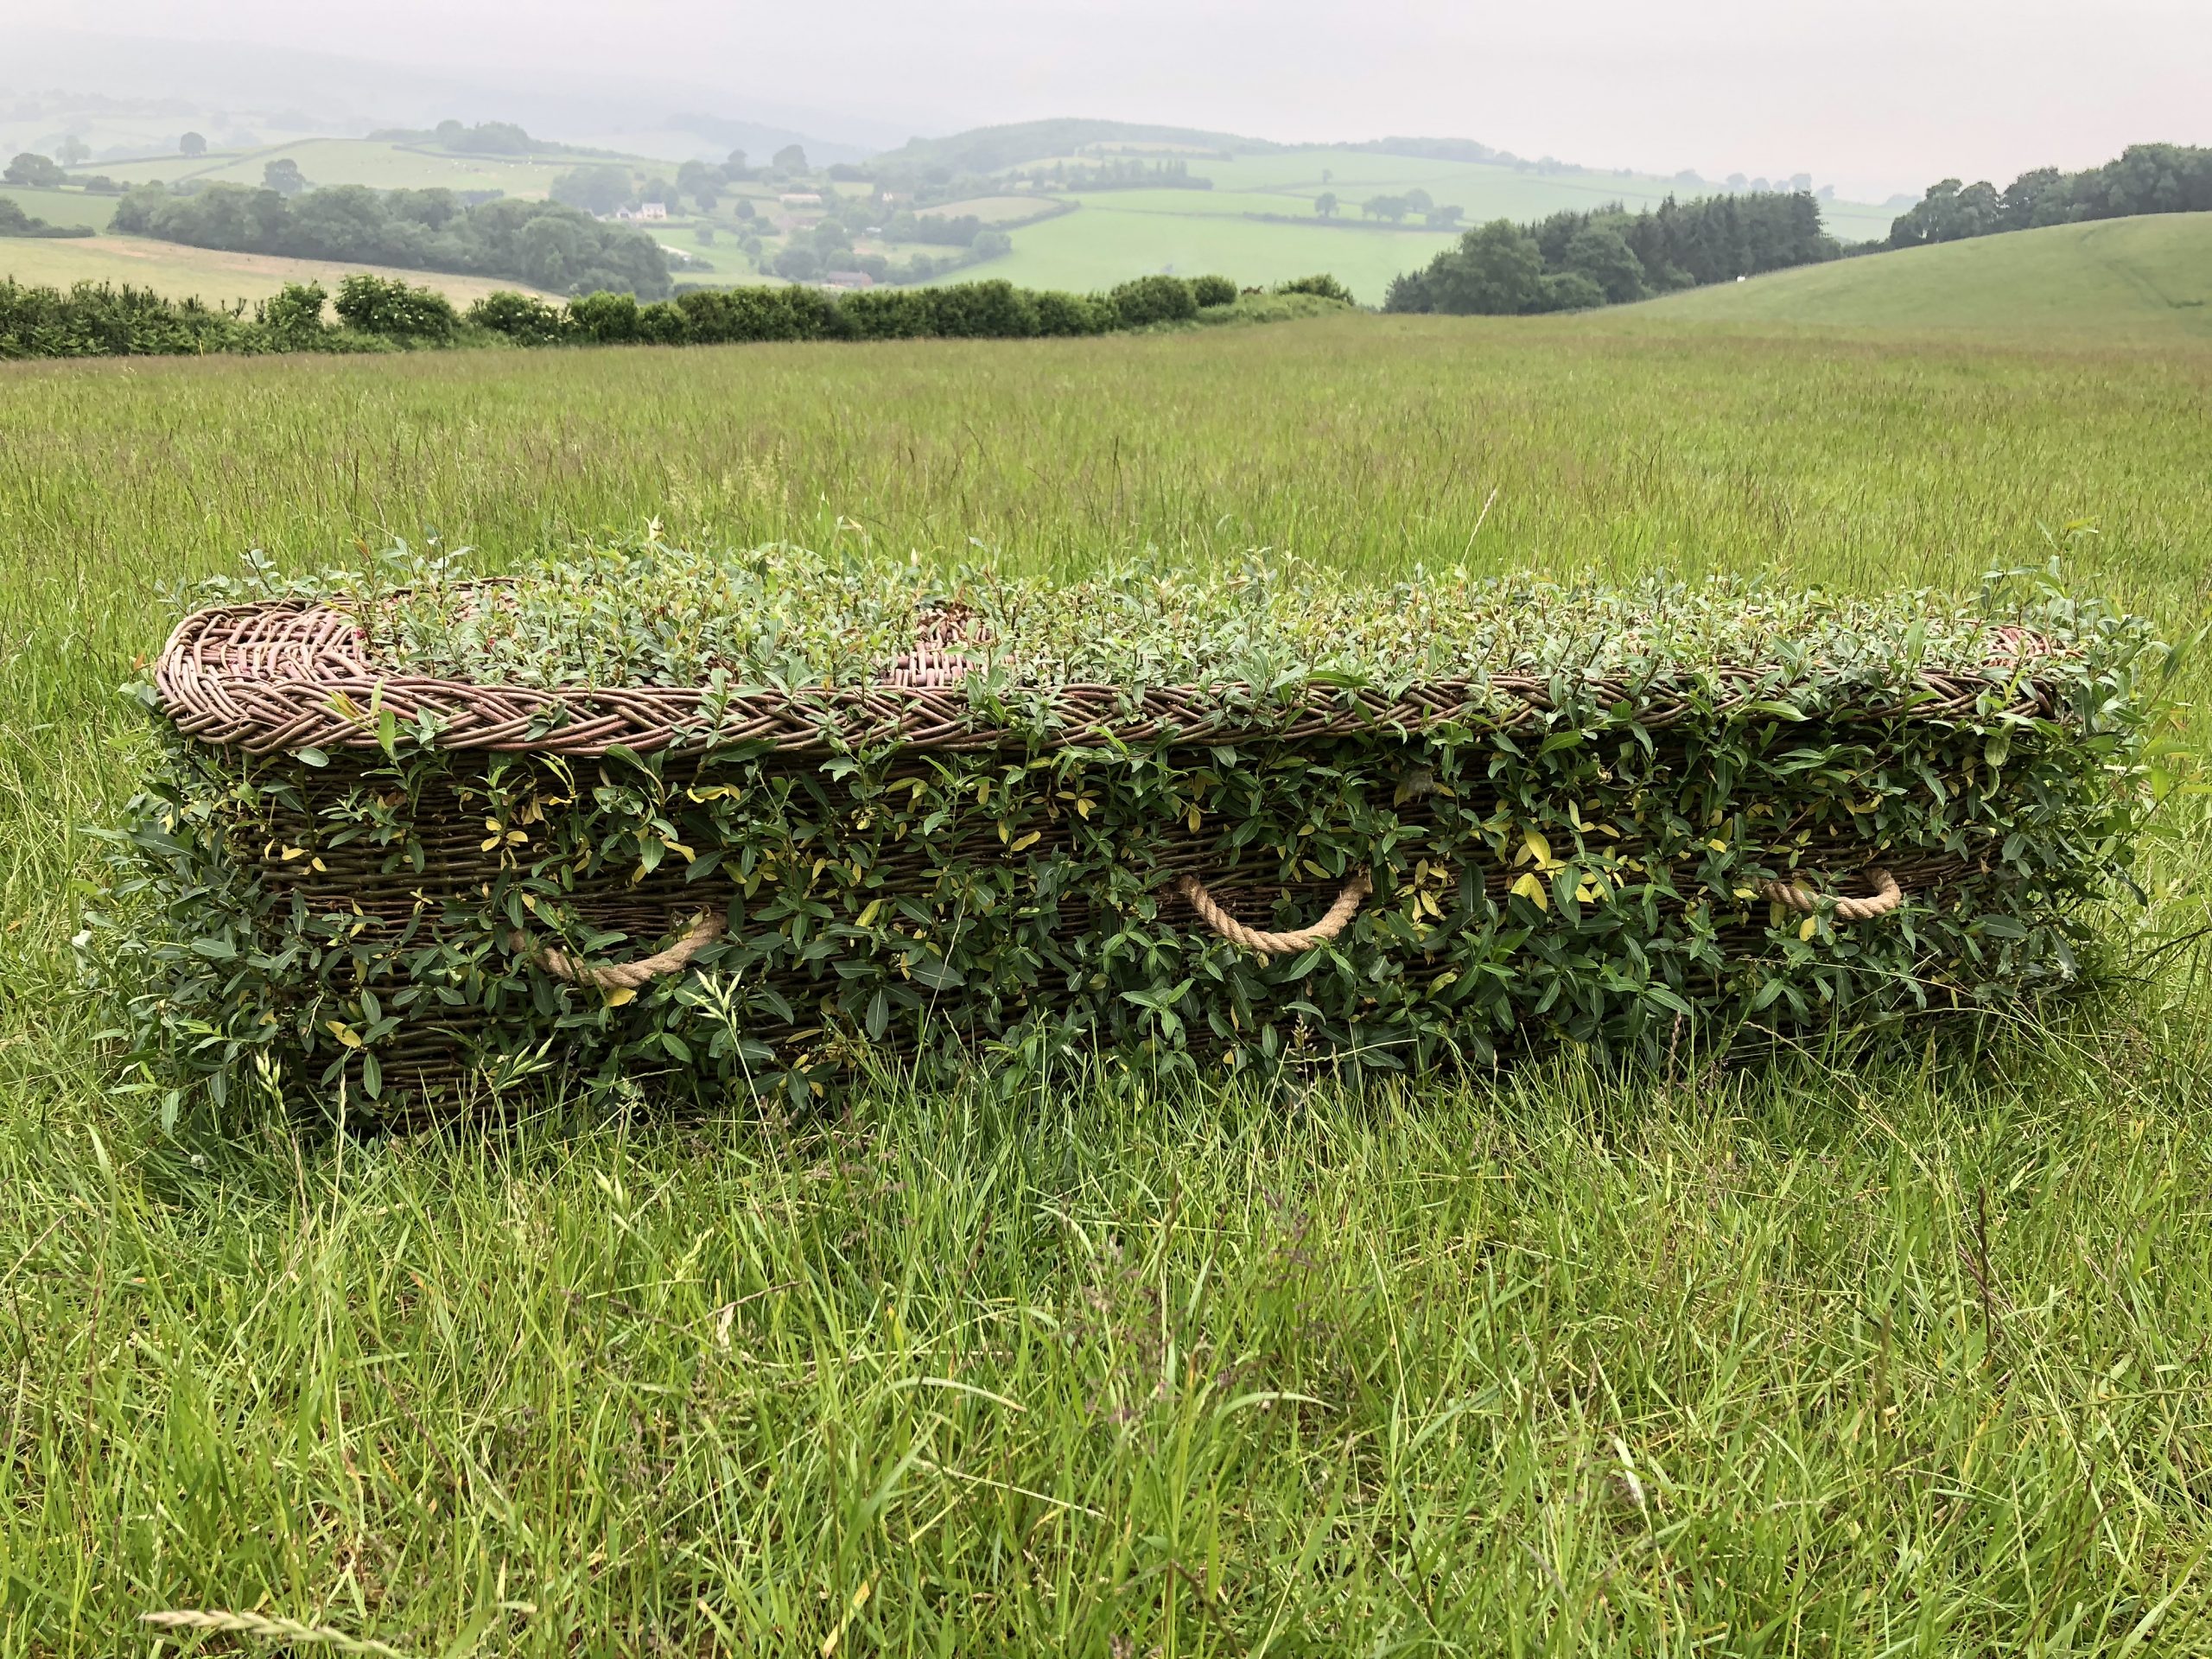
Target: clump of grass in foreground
[[1907, 1360]]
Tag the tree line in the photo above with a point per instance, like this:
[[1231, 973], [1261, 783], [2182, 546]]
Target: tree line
[[2146, 179], [376, 313], [544, 244], [1573, 261]]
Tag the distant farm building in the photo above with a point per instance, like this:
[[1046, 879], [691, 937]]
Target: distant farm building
[[800, 198]]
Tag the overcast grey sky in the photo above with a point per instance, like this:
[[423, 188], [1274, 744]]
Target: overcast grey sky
[[1871, 95]]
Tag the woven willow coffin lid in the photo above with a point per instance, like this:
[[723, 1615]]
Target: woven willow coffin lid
[[285, 675]]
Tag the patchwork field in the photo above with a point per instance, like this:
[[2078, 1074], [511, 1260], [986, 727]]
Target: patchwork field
[[2148, 278], [1257, 223], [355, 160], [1868, 1351]]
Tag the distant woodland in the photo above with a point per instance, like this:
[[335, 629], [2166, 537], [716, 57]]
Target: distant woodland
[[1575, 261], [2147, 179]]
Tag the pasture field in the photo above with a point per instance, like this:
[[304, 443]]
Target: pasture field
[[2148, 278], [60, 207], [381, 165], [210, 274], [992, 210], [1109, 239], [1897, 1350]]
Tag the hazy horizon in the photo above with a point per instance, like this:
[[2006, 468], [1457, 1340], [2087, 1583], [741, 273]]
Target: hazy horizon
[[1876, 98]]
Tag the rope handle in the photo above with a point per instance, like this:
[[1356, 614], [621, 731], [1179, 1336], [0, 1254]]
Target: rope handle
[[705, 929], [1887, 896], [1338, 915]]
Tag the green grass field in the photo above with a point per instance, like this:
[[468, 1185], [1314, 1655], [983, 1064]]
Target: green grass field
[[2148, 278], [1100, 244], [1892, 1354], [62, 206]]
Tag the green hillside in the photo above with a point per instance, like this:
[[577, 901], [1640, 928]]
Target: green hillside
[[1259, 222], [2148, 277]]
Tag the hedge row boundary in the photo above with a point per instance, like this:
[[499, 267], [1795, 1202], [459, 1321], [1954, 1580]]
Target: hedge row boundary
[[376, 313]]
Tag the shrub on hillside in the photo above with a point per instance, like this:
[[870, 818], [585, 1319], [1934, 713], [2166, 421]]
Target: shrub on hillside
[[1059, 314], [981, 311], [1149, 300], [1572, 290], [604, 318], [523, 318], [663, 323], [1213, 290], [394, 310], [292, 317], [1323, 285]]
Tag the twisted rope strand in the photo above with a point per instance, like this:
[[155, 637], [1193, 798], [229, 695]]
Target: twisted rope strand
[[705, 929], [1887, 897], [1275, 944]]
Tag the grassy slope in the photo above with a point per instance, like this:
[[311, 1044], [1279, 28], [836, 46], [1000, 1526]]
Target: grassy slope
[[1899, 1358], [209, 274], [2149, 278]]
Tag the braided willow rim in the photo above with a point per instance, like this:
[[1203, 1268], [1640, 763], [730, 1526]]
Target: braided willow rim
[[291, 674]]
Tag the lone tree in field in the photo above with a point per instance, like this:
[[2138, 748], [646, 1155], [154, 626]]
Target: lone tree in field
[[192, 144], [1326, 204], [284, 176], [33, 171], [72, 151]]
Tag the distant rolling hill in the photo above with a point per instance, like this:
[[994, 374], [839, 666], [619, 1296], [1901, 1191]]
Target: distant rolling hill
[[2148, 277]]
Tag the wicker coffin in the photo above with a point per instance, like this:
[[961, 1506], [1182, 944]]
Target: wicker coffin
[[266, 685]]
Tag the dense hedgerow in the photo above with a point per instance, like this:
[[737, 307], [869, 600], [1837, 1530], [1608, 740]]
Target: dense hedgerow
[[380, 314], [1586, 869]]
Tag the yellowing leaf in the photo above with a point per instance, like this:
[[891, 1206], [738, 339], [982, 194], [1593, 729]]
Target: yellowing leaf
[[1082, 806], [1809, 926], [1029, 840], [1534, 846], [867, 916], [1718, 845], [1193, 817], [621, 995], [1531, 888], [344, 1033]]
